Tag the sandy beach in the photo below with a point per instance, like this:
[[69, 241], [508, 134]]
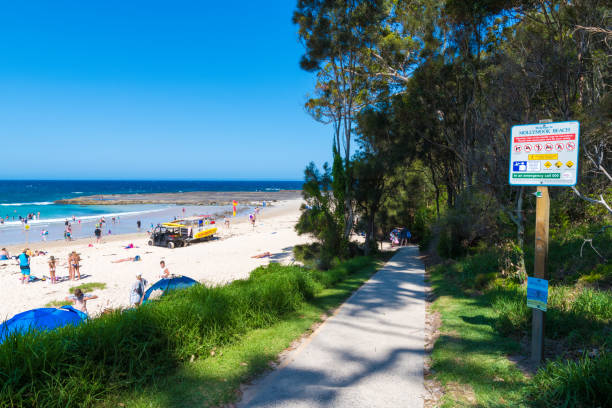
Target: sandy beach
[[225, 259]]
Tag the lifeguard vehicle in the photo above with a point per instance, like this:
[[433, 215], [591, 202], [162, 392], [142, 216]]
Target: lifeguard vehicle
[[183, 232]]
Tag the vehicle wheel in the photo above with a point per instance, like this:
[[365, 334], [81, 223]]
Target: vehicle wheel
[[170, 244], [150, 243]]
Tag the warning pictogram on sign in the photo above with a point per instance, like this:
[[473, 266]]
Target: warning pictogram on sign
[[544, 154]]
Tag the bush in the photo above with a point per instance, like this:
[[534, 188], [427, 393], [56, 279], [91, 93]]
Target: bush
[[583, 383], [78, 366]]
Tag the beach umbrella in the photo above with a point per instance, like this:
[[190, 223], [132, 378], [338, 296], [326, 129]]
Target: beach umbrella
[[163, 285], [46, 318]]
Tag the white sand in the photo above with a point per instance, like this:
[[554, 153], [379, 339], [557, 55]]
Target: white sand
[[215, 262]]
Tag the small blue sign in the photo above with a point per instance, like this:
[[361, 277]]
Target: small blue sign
[[537, 293], [519, 166]]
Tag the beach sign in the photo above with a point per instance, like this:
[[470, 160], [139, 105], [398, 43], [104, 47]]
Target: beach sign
[[537, 293], [544, 154]]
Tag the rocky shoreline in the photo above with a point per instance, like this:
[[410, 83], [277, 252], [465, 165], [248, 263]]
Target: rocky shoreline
[[189, 198]]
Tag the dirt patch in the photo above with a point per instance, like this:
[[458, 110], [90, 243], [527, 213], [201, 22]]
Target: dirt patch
[[461, 392]]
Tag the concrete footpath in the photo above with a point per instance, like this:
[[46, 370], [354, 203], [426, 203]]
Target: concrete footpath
[[370, 354]]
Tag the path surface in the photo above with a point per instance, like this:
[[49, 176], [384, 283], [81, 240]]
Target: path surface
[[370, 354]]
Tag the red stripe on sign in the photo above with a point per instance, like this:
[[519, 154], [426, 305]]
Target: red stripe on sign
[[545, 138]]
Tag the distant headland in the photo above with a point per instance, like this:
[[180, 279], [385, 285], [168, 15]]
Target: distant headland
[[188, 198]]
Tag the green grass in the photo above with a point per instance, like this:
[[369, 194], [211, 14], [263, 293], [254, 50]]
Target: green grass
[[213, 380], [483, 317], [88, 287], [469, 358], [138, 349], [583, 383], [57, 303]]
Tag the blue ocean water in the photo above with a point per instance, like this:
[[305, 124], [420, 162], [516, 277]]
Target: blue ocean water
[[22, 197]]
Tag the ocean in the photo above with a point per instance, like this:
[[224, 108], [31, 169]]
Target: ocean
[[23, 197]]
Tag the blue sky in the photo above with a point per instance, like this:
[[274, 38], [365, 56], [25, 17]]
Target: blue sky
[[152, 89]]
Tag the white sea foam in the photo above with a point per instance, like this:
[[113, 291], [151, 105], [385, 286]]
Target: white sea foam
[[20, 204], [47, 221]]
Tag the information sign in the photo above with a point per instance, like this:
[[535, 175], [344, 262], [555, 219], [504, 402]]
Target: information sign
[[545, 154], [537, 293]]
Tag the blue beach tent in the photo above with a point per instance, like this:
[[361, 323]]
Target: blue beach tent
[[46, 318], [172, 283]]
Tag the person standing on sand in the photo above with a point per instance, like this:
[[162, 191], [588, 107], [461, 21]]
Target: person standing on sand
[[138, 291], [98, 234], [252, 219], [75, 260], [24, 265], [80, 299], [70, 268], [52, 269]]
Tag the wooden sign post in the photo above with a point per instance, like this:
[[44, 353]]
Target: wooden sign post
[[539, 270], [542, 155]]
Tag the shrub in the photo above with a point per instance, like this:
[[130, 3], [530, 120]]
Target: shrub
[[583, 383]]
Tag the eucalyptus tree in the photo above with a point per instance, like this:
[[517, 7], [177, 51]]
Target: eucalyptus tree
[[335, 34]]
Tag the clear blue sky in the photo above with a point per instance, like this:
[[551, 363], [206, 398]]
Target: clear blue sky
[[154, 89]]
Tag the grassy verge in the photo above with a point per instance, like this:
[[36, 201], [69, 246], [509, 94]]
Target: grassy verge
[[214, 380], [469, 358], [88, 287], [57, 303], [176, 340], [483, 318]]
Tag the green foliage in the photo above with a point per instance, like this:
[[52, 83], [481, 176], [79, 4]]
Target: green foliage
[[56, 303], [583, 383], [474, 219], [323, 214], [82, 365], [600, 276], [88, 287], [479, 327]]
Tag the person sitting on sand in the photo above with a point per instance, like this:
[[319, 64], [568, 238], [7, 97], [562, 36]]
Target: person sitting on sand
[[4, 255], [52, 261], [80, 299], [130, 259], [264, 255], [165, 273], [137, 291], [24, 265]]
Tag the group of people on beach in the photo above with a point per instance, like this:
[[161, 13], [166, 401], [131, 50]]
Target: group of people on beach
[[24, 220], [24, 259], [79, 299]]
